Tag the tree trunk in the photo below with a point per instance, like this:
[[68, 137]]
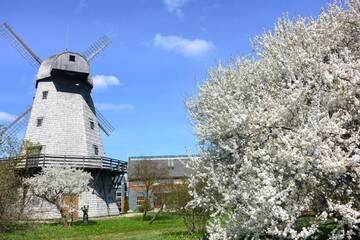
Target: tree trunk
[[62, 212], [23, 200], [63, 217], [157, 214], [72, 218], [146, 203], [144, 215]]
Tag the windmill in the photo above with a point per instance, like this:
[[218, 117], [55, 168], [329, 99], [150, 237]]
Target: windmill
[[65, 125]]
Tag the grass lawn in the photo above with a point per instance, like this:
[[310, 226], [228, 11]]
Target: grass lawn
[[166, 227]]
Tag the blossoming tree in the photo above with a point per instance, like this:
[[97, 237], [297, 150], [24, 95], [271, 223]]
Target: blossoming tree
[[54, 184], [279, 132]]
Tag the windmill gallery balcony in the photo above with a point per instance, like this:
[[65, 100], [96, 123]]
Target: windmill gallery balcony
[[82, 162]]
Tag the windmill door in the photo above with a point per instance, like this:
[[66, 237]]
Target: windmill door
[[72, 205]]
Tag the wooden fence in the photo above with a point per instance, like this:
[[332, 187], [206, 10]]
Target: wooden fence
[[83, 162]]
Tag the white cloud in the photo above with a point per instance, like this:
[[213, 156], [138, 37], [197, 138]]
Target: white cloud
[[114, 107], [175, 6], [187, 47], [6, 117], [102, 81]]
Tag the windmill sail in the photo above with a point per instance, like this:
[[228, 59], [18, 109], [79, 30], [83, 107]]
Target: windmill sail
[[17, 125], [104, 124], [96, 48], [19, 45]]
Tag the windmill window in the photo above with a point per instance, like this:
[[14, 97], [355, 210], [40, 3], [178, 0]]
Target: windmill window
[[72, 58], [45, 94], [171, 163], [92, 124], [140, 200], [96, 150], [39, 122]]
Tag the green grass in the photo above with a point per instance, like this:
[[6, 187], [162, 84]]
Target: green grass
[[166, 227]]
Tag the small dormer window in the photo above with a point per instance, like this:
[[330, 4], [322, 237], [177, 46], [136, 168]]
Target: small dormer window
[[171, 163], [39, 122], [45, 94], [72, 58], [96, 150]]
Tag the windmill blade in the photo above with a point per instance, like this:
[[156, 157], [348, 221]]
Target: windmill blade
[[104, 124], [104, 130], [17, 125], [96, 48], [19, 45]]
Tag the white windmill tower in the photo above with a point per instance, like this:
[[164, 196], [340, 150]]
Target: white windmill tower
[[65, 124]]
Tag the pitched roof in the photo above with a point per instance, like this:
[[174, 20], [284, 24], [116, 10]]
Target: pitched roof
[[175, 164]]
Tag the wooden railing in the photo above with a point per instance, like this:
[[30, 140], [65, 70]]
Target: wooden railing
[[84, 162]]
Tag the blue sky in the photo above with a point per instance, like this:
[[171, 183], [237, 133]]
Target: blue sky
[[160, 53]]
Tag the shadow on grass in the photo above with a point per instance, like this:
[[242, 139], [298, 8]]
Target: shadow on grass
[[13, 227], [180, 235], [80, 223], [76, 223], [162, 216]]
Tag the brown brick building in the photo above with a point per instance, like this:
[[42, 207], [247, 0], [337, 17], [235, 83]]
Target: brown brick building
[[176, 172]]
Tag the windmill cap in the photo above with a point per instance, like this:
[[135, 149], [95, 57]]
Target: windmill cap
[[70, 64]]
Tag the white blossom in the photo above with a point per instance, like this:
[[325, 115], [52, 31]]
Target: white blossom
[[53, 184], [279, 133]]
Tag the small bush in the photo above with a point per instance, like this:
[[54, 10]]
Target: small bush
[[9, 197], [195, 218]]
